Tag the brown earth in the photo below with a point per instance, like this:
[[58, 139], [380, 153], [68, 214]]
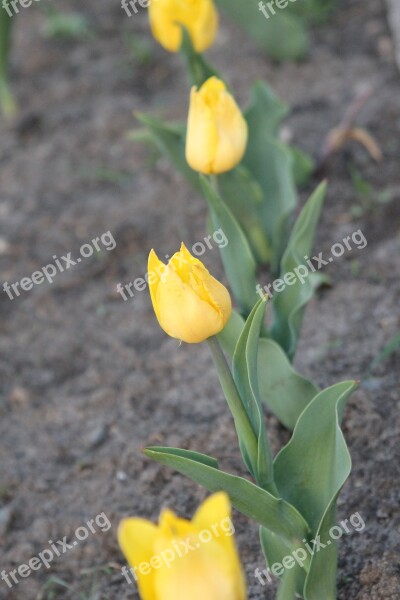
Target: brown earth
[[88, 379]]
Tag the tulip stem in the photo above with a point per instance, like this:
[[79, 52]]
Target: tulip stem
[[214, 183], [243, 424]]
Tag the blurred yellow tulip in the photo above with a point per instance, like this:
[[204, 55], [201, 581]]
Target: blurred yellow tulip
[[189, 303], [185, 560], [217, 131], [199, 17]]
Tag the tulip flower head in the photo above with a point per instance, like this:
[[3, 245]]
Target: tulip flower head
[[181, 559], [189, 303], [199, 17], [217, 131]]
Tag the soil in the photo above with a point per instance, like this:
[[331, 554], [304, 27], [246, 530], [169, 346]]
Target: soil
[[88, 379]]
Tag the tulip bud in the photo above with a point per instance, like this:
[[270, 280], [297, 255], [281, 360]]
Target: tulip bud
[[189, 303], [199, 17], [181, 559], [217, 131]]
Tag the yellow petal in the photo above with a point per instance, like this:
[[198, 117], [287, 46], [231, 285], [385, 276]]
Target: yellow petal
[[155, 270], [172, 526], [202, 135], [203, 573], [182, 263], [217, 294], [233, 133], [138, 539], [199, 17], [217, 132], [214, 508], [193, 272], [182, 314], [214, 516]]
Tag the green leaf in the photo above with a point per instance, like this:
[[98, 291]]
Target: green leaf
[[273, 513], [282, 36], [244, 427], [289, 305], [244, 197], [283, 389], [310, 472], [238, 260], [198, 69], [229, 336], [321, 579], [246, 379], [266, 105], [190, 455], [171, 139], [271, 165], [313, 11], [303, 166], [244, 363], [275, 549]]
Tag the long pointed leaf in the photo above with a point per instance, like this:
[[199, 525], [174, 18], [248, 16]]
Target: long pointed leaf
[[271, 164], [282, 388], [239, 263], [289, 305], [273, 513], [310, 472], [246, 378]]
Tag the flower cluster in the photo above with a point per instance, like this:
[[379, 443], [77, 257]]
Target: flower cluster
[[248, 178]]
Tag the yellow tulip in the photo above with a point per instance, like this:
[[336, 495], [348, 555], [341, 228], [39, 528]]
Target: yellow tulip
[[189, 303], [199, 17], [185, 560], [217, 131]]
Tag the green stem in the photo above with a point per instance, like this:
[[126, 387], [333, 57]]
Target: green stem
[[233, 398]]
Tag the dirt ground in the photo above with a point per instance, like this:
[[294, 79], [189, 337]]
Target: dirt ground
[[88, 379]]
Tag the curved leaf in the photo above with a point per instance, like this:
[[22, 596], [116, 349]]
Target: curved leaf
[[244, 197], [271, 164], [246, 379], [273, 513], [283, 389], [310, 472], [289, 305], [238, 260], [229, 336]]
